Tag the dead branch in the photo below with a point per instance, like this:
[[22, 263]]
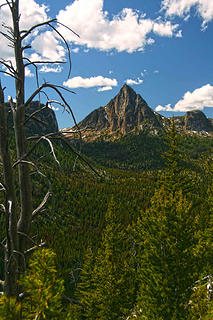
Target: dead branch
[[42, 204], [36, 72], [77, 154], [68, 49], [52, 150], [43, 62], [31, 250], [22, 255], [36, 119], [7, 36], [9, 74], [27, 237], [4, 4], [55, 88], [27, 32], [8, 66], [9, 3], [2, 187], [65, 89], [58, 102], [58, 22], [36, 112]]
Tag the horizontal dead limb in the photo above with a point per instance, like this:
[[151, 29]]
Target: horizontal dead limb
[[44, 62], [27, 32], [33, 249]]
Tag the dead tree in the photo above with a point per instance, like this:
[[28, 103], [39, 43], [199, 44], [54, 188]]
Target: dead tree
[[18, 211]]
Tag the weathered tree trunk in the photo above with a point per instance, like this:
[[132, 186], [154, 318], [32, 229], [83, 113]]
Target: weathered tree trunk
[[18, 218], [11, 246], [25, 219]]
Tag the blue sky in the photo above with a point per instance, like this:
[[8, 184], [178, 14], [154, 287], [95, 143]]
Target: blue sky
[[163, 49]]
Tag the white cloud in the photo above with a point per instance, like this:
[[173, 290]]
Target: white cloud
[[166, 108], [156, 71], [28, 73], [46, 69], [127, 31], [99, 81], [48, 46], [31, 13], [182, 8], [107, 88], [75, 50], [45, 44], [53, 108], [196, 100], [134, 82]]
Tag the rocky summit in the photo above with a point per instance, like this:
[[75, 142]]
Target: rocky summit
[[128, 112]]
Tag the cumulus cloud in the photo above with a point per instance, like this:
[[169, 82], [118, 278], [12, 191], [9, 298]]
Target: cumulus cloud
[[47, 69], [48, 46], [126, 31], [28, 73], [45, 44], [31, 14], [166, 108], [107, 88], [196, 100], [53, 108], [182, 8], [99, 81], [75, 50], [134, 82]]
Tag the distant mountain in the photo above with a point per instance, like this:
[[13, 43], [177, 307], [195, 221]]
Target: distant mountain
[[128, 112], [43, 123]]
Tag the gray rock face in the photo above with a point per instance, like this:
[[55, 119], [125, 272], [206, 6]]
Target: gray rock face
[[128, 112], [123, 113], [49, 123], [196, 121]]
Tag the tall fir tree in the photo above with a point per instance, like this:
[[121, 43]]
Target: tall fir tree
[[107, 288], [166, 268]]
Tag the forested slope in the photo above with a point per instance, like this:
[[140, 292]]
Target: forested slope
[[130, 242]]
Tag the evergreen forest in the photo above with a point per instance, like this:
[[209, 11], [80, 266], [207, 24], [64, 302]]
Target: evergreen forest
[[128, 237]]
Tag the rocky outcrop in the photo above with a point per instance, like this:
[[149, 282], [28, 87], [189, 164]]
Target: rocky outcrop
[[125, 112], [196, 121], [46, 123]]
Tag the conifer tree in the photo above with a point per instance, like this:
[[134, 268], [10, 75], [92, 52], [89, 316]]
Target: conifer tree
[[164, 235], [43, 290], [107, 285]]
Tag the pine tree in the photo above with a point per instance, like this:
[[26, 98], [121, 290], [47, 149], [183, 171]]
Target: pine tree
[[166, 267], [43, 290], [107, 286]]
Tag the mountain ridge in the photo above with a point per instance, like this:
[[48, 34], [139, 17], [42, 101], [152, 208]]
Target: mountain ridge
[[128, 113]]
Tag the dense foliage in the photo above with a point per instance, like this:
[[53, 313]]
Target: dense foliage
[[128, 243]]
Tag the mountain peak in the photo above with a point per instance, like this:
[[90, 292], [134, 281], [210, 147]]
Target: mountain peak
[[124, 113], [128, 112]]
